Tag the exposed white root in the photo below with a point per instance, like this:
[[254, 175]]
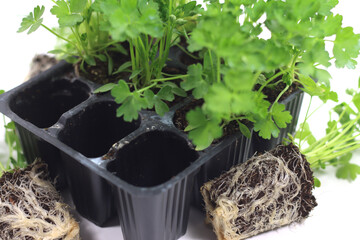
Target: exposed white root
[[31, 208]]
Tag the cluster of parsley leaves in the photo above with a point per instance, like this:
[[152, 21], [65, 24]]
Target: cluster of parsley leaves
[[93, 29], [79, 29], [151, 28], [238, 58], [238, 62]]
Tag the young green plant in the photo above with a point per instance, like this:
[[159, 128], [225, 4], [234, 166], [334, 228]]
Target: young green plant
[[79, 29], [341, 139], [240, 62], [150, 28]]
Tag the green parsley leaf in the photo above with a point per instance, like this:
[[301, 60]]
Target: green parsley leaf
[[32, 21], [219, 99], [160, 107], [356, 101], [195, 81], [256, 11], [280, 115], [266, 128], [174, 89], [348, 171], [346, 48], [77, 6], [165, 93], [121, 91], [317, 182], [203, 131], [123, 67], [65, 17], [131, 106], [326, 6], [244, 130], [128, 19], [60, 9], [135, 73], [305, 134], [150, 98], [105, 88]]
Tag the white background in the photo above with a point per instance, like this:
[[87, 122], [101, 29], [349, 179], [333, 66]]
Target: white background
[[338, 210]]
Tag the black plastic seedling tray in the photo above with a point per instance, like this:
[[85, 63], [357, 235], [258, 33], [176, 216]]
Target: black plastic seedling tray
[[147, 169]]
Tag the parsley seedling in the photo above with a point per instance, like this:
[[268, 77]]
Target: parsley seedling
[[237, 58], [341, 138], [79, 28], [151, 28], [90, 29]]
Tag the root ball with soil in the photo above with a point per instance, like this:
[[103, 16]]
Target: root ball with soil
[[31, 208], [266, 192]]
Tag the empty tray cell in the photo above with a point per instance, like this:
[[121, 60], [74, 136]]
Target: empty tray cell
[[43, 103], [93, 130], [152, 159]]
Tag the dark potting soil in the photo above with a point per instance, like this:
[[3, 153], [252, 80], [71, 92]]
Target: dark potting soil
[[262, 177], [272, 93], [179, 118], [291, 154], [99, 72]]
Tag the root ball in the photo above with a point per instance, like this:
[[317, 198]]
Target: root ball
[[31, 208], [266, 192]]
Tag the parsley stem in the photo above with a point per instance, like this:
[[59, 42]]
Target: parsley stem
[[303, 124], [146, 88], [218, 63], [333, 148], [315, 162], [107, 45], [211, 63], [170, 78], [78, 45], [279, 96], [2, 168], [256, 76], [77, 35], [281, 72], [145, 59], [186, 52], [132, 56], [57, 35], [325, 143]]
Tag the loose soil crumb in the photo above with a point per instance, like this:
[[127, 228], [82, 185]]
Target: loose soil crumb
[[31, 208], [266, 192]]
